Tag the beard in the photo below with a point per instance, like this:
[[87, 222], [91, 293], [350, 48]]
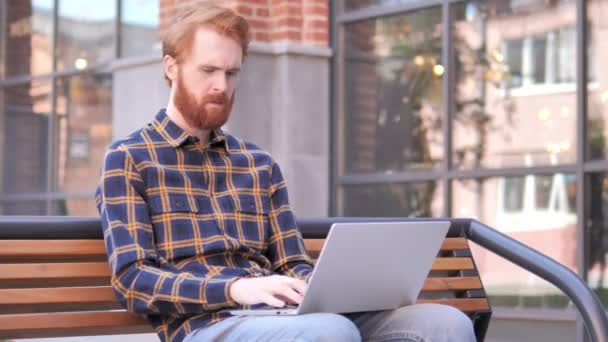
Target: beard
[[195, 112]]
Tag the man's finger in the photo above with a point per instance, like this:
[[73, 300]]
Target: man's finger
[[299, 285], [271, 300], [288, 293]]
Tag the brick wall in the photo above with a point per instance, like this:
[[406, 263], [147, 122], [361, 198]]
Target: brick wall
[[294, 21]]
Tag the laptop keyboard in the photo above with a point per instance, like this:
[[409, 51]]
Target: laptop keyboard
[[269, 307]]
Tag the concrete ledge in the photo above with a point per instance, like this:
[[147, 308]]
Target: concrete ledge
[[260, 48], [286, 48], [133, 62], [531, 314]]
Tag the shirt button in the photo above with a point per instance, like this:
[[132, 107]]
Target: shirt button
[[179, 204]]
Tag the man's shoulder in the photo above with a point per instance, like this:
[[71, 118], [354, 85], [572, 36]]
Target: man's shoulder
[[238, 145], [132, 141], [125, 147]]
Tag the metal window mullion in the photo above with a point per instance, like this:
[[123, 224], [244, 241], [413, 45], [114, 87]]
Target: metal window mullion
[[581, 148], [3, 38], [595, 166], [430, 175], [117, 34], [448, 80], [373, 12], [50, 174], [334, 83]]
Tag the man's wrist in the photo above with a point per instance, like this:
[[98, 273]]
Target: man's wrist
[[229, 286]]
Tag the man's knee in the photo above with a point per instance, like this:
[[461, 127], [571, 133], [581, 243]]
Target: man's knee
[[330, 327], [455, 321], [443, 321]]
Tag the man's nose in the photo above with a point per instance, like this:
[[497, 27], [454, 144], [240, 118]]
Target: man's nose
[[219, 82]]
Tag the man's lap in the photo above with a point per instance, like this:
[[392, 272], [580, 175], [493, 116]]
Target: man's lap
[[424, 322]]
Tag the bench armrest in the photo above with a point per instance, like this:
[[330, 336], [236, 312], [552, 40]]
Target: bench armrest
[[570, 283], [585, 300]]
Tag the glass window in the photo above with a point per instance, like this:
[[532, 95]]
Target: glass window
[[545, 221], [83, 130], [28, 32], [597, 234], [597, 101], [566, 55], [350, 5], [87, 31], [18, 207], [542, 192], [539, 59], [514, 59], [24, 125], [515, 86], [139, 27], [393, 200], [514, 188], [393, 93], [74, 207]]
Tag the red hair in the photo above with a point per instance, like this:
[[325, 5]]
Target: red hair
[[177, 41]]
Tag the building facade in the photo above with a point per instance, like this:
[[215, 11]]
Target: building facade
[[489, 109]]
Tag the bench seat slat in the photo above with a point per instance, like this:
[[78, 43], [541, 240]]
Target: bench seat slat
[[104, 294], [31, 249], [451, 283], [453, 264], [54, 270], [92, 294], [101, 270], [464, 304], [12, 325], [449, 244]]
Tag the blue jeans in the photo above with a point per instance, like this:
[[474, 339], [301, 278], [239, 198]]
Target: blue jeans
[[420, 322]]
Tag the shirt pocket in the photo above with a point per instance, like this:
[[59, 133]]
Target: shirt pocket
[[177, 228], [252, 213]]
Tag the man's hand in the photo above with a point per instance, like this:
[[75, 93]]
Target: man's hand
[[272, 290]]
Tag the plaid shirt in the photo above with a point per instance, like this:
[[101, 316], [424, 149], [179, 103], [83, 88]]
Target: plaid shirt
[[182, 222]]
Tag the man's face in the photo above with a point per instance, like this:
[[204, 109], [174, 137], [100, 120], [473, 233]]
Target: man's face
[[206, 80]]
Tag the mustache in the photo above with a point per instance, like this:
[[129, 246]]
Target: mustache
[[216, 98]]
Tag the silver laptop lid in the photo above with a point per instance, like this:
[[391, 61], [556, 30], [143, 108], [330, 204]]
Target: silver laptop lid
[[373, 266]]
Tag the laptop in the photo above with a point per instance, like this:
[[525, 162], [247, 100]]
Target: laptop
[[368, 267]]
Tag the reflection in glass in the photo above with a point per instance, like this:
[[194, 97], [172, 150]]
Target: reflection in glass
[[28, 32], [597, 234], [597, 101], [15, 207], [86, 33], [138, 27], [540, 212], [393, 200], [83, 130], [393, 93], [74, 207], [513, 194], [515, 73], [24, 120], [350, 5]]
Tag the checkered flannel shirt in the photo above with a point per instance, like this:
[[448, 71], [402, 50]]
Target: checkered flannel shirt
[[183, 221]]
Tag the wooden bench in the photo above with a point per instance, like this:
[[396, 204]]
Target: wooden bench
[[61, 287]]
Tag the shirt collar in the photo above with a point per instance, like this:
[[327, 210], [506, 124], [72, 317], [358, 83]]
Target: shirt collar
[[177, 137]]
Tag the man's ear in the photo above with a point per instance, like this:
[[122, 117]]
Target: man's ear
[[170, 66]]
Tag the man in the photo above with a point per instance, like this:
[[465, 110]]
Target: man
[[196, 221]]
